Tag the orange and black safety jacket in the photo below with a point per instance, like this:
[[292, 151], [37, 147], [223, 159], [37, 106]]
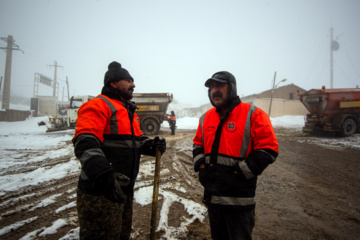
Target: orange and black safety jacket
[[235, 150], [173, 121], [108, 138]]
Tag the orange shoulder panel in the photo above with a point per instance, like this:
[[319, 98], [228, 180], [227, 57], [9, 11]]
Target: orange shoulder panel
[[92, 118]]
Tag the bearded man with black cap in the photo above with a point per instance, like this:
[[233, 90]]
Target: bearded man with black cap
[[108, 142], [234, 143]]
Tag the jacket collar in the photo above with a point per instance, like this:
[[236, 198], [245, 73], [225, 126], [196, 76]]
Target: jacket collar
[[113, 93]]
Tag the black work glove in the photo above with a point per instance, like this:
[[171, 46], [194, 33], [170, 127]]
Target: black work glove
[[160, 143], [202, 176], [112, 183]]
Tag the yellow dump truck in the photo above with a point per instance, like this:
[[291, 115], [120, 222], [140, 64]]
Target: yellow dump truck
[[151, 110]]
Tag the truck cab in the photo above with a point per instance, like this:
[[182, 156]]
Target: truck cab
[[75, 103]]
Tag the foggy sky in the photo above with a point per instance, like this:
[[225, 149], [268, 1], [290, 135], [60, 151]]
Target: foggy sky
[[174, 46]]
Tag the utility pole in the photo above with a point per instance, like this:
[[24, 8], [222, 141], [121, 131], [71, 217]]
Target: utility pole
[[55, 76], [331, 59], [334, 46], [67, 84], [272, 91], [7, 80]]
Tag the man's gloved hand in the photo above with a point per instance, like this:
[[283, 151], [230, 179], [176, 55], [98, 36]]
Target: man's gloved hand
[[160, 143], [114, 181]]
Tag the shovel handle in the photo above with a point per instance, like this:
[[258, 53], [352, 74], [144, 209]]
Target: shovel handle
[[155, 194]]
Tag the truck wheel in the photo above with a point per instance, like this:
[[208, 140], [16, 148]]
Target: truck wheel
[[150, 126], [348, 127]]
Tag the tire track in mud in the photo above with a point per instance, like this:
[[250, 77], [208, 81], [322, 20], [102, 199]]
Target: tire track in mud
[[28, 167], [178, 187], [32, 208]]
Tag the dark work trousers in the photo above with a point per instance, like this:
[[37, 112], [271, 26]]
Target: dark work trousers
[[100, 218], [172, 127], [231, 224]]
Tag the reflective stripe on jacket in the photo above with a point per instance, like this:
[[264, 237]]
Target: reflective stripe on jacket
[[233, 144], [118, 141]]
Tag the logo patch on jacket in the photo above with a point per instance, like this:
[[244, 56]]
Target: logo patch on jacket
[[231, 127]]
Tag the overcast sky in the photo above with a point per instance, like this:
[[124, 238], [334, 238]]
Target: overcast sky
[[174, 46]]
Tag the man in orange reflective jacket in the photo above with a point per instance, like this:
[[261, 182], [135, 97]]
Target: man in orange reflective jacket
[[234, 143], [172, 122], [108, 142]]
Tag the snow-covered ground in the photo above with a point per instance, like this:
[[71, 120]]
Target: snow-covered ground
[[28, 135]]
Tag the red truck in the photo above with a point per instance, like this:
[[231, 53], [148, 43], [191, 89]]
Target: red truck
[[332, 110]]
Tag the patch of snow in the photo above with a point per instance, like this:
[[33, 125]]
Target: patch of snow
[[46, 202], [288, 121], [65, 207], [73, 234], [15, 181], [17, 225], [32, 235], [54, 227]]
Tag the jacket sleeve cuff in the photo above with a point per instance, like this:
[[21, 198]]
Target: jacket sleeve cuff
[[198, 162]]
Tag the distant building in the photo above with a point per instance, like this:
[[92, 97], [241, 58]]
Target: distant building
[[285, 100], [287, 92]]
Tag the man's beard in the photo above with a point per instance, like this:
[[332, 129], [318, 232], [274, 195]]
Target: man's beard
[[128, 94]]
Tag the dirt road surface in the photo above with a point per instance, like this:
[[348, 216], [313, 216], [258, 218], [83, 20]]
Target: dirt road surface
[[311, 192]]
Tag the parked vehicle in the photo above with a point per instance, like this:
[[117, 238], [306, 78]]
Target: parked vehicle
[[151, 110], [332, 110], [68, 120], [75, 103]]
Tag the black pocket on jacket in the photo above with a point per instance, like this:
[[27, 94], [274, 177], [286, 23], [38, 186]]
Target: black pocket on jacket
[[223, 181]]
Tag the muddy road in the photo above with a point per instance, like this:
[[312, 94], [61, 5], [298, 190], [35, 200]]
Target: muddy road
[[312, 191]]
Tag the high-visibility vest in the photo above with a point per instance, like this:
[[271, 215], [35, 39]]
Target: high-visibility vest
[[116, 128], [107, 112], [240, 134], [221, 147]]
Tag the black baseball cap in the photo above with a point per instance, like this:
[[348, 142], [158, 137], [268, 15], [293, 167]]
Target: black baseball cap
[[221, 77]]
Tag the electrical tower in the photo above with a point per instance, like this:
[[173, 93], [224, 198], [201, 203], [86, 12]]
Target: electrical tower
[[55, 76], [7, 80]]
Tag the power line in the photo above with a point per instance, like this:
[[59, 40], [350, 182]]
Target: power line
[[34, 51], [321, 51], [347, 77], [356, 70]]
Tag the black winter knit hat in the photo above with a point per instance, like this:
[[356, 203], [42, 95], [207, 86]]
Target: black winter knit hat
[[116, 73]]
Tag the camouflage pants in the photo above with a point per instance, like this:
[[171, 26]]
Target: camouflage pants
[[100, 218]]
